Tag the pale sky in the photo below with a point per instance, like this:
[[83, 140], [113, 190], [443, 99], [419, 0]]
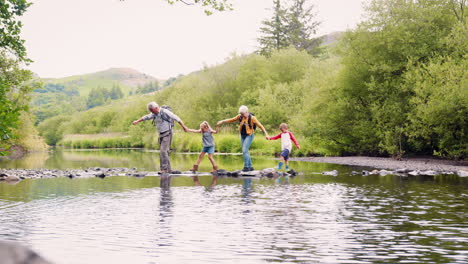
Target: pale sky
[[70, 37]]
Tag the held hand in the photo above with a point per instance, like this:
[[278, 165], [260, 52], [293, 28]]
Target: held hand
[[219, 123], [135, 122]]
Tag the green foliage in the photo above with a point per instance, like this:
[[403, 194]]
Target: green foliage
[[290, 26], [438, 119], [52, 129], [209, 5], [376, 107], [148, 88], [13, 96], [55, 99], [182, 142], [301, 26], [274, 31], [10, 40], [100, 96]]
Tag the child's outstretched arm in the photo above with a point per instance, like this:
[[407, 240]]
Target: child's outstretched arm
[[194, 130], [211, 130], [275, 137], [294, 140]]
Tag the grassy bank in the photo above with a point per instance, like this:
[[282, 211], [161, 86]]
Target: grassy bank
[[182, 142]]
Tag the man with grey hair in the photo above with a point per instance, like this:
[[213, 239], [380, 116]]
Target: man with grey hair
[[163, 119]]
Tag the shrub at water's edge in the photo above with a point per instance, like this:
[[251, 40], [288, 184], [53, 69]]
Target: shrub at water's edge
[[182, 142]]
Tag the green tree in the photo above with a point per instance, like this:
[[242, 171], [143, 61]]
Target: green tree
[[274, 31], [372, 105], [13, 91], [10, 40], [301, 25], [96, 97], [148, 88], [13, 94], [116, 92]]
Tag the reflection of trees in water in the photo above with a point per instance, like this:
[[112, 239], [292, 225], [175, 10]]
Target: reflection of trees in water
[[28, 161]]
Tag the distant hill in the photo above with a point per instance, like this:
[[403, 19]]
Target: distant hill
[[72, 94], [128, 79], [332, 38]]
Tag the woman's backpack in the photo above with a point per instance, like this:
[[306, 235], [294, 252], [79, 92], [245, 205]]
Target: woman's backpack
[[249, 121]]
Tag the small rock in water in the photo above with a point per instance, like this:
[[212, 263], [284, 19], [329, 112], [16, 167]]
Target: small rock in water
[[331, 173], [385, 172], [354, 173], [447, 172], [365, 173], [414, 173], [374, 172], [462, 173], [15, 253], [3, 176], [12, 178], [269, 172], [402, 170], [292, 172], [101, 175], [428, 173]]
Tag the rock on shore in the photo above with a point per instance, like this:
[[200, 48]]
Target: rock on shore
[[413, 164]]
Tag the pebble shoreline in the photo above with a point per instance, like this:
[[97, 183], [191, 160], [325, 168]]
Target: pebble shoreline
[[392, 164]]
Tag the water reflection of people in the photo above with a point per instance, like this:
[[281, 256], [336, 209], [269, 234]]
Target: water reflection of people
[[165, 202], [246, 187], [165, 211], [281, 179], [214, 180]]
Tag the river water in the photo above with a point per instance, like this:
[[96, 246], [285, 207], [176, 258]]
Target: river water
[[311, 218]]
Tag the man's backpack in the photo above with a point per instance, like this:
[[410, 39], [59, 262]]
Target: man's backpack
[[249, 121], [165, 116]]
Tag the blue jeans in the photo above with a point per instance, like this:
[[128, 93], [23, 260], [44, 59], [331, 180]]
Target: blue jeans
[[246, 141]]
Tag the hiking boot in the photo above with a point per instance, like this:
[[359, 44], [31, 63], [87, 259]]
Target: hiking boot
[[280, 165], [251, 169], [194, 169], [245, 169]]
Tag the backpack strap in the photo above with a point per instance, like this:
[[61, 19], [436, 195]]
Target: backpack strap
[[164, 116], [249, 121]]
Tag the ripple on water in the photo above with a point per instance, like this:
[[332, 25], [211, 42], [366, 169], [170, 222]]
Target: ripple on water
[[247, 222]]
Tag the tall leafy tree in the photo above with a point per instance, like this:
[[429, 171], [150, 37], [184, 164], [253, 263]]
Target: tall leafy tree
[[10, 27], [290, 26], [13, 91], [301, 25], [116, 92], [274, 31]]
